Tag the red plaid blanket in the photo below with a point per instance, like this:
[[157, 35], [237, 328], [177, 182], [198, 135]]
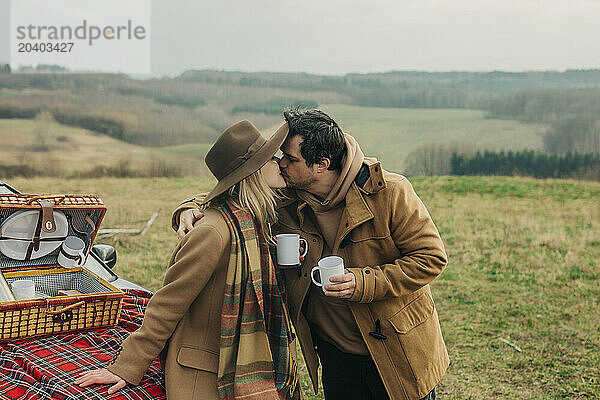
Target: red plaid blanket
[[45, 368]]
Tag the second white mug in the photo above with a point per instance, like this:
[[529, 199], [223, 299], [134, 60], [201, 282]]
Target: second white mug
[[328, 267]]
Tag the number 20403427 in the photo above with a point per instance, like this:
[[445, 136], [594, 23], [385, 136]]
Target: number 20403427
[[45, 47]]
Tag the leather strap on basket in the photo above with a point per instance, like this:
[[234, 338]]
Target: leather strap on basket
[[90, 223], [39, 239], [45, 222], [48, 223], [88, 220], [35, 240], [77, 258]]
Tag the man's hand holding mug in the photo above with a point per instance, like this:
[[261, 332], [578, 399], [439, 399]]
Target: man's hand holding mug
[[336, 281], [340, 285]]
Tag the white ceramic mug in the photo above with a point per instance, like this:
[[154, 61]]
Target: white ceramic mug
[[71, 252], [23, 289], [328, 267], [288, 249]]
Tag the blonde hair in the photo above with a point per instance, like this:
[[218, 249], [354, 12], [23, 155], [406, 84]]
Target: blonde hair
[[255, 194]]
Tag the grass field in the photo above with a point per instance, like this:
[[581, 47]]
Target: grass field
[[391, 134], [63, 150], [523, 267], [191, 152]]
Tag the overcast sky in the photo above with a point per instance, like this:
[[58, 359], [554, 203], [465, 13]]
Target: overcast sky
[[340, 36]]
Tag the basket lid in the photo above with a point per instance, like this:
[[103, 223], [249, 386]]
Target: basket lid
[[28, 240], [18, 231]]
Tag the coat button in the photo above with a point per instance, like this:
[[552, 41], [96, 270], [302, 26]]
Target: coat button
[[315, 240], [380, 183], [305, 274], [347, 224], [368, 271], [376, 169]]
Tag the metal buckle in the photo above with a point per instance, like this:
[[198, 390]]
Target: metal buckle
[[63, 317]]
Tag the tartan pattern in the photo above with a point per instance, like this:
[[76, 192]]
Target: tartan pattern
[[45, 368], [255, 360]]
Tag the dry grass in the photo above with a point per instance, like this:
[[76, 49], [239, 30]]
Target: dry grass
[[523, 266], [60, 150]]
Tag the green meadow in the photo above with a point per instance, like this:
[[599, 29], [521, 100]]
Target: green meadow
[[523, 267], [391, 134]]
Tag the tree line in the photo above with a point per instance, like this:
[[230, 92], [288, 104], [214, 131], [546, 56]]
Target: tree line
[[527, 163], [412, 89]]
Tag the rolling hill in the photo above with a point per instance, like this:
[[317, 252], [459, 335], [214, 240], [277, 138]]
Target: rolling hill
[[389, 134]]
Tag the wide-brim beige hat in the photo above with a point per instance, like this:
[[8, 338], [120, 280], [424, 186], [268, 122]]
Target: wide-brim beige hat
[[239, 152]]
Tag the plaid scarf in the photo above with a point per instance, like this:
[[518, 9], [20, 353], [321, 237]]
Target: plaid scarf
[[255, 361]]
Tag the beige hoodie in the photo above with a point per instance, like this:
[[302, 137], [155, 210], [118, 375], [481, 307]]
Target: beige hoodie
[[331, 319], [329, 211]]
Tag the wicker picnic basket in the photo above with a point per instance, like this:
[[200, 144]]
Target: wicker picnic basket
[[30, 251]]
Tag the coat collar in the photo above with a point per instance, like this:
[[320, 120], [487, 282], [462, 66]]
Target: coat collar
[[356, 211], [375, 182]]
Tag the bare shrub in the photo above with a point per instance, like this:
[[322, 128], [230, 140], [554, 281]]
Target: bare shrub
[[44, 164], [589, 174], [433, 158], [122, 169], [8, 171], [96, 171], [41, 131], [14, 108], [30, 165], [161, 168]]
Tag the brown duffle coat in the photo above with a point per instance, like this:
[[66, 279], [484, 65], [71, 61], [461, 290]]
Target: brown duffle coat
[[390, 243]]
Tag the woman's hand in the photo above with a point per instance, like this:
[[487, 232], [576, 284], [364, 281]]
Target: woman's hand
[[302, 250], [187, 218], [102, 376]]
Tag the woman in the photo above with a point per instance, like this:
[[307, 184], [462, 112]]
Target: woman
[[194, 320]]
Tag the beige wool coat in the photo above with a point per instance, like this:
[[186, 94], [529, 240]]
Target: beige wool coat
[[390, 243], [183, 318]]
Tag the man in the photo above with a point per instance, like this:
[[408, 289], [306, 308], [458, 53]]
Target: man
[[376, 330]]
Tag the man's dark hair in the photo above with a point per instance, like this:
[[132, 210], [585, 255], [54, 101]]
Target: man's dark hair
[[322, 137]]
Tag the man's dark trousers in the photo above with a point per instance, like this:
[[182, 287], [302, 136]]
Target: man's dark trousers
[[350, 376]]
